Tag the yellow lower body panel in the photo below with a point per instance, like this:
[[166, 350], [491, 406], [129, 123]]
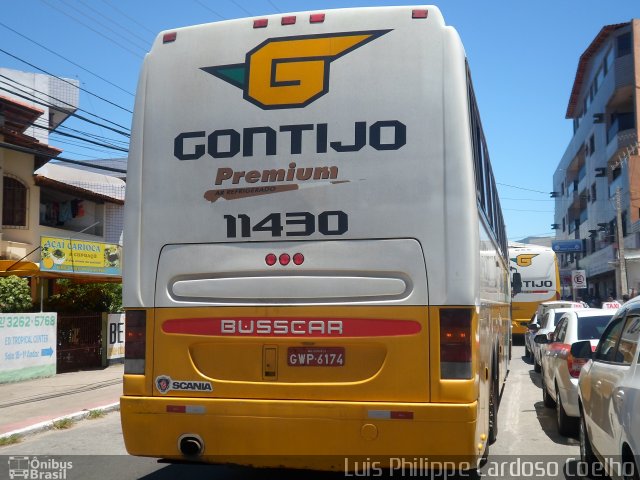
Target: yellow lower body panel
[[517, 329], [339, 436]]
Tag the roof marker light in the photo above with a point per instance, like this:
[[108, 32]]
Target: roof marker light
[[169, 37], [419, 13], [298, 259], [260, 23], [316, 18], [288, 20]]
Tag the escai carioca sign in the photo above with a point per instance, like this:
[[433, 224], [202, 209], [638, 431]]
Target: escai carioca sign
[[80, 256]]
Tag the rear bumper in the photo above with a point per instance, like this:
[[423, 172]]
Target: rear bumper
[[304, 434], [569, 393]]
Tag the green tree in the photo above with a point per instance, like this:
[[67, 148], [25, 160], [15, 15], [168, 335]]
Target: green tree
[[86, 297], [15, 295]]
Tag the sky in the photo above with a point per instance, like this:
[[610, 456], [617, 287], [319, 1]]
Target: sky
[[523, 57]]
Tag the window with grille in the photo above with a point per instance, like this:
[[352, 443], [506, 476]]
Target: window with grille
[[14, 203]]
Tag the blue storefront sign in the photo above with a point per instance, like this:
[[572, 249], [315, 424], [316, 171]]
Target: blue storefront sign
[[567, 246]]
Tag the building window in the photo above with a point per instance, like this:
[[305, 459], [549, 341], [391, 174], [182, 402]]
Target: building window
[[608, 61], [593, 192], [592, 144], [624, 44], [14, 202]]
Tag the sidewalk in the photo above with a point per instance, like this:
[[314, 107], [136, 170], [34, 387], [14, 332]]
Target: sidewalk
[[30, 406]]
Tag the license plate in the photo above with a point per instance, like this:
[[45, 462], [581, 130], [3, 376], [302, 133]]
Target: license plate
[[315, 356]]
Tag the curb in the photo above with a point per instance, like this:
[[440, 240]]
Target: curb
[[48, 424]]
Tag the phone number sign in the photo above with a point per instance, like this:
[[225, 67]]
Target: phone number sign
[[27, 346]]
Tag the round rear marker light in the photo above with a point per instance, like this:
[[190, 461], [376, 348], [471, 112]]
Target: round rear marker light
[[271, 259], [298, 259], [285, 259]]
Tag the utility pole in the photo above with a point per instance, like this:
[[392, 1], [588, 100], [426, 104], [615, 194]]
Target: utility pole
[[622, 264]]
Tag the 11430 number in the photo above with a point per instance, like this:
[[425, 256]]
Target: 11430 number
[[295, 224]]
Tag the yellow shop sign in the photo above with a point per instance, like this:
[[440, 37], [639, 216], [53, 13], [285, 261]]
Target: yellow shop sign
[[80, 256]]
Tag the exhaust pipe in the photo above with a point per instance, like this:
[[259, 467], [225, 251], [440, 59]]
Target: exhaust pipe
[[190, 445]]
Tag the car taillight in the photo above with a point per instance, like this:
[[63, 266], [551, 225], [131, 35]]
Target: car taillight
[[135, 341], [575, 365], [455, 343]]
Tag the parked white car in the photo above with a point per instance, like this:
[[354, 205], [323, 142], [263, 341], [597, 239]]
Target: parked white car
[[534, 325], [609, 395], [548, 322], [560, 369]]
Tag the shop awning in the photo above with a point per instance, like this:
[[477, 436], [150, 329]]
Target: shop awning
[[21, 269], [31, 269]]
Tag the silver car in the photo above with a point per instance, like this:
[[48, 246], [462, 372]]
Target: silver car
[[609, 390], [560, 369], [534, 325], [547, 322]]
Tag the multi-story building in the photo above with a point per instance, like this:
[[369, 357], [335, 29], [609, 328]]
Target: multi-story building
[[40, 198], [597, 181]]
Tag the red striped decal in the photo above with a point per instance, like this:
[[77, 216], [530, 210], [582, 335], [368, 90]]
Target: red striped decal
[[176, 409], [291, 327], [401, 415]]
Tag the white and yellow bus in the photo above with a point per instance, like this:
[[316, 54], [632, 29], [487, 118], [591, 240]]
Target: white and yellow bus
[[535, 278], [316, 262]]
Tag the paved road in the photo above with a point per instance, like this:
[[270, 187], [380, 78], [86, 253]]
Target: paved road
[[527, 433]]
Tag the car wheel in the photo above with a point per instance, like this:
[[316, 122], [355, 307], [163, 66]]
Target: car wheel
[[527, 352], [536, 366], [546, 398], [586, 452], [566, 425]]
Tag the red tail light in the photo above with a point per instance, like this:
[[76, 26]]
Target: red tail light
[[135, 341], [575, 365], [455, 343]]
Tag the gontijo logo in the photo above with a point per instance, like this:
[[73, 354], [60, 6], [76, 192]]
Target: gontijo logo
[[290, 72], [525, 259]]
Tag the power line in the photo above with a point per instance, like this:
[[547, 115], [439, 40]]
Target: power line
[[242, 8], [65, 81], [31, 151], [70, 135], [144, 41], [51, 105], [535, 211], [274, 6], [521, 188], [210, 9], [65, 111], [130, 18], [66, 59], [529, 199], [90, 28], [58, 141]]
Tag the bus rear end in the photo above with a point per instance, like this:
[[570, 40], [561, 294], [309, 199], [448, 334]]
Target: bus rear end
[[286, 283], [539, 275]]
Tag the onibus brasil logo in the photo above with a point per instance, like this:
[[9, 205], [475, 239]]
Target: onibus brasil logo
[[290, 72]]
